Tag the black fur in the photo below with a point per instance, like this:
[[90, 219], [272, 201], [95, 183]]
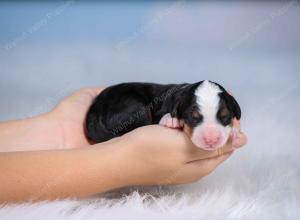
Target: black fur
[[122, 108], [230, 102]]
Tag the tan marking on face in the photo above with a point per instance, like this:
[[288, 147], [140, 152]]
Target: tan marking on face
[[224, 112], [196, 114]]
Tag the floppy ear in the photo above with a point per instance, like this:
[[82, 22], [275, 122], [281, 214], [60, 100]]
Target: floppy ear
[[182, 99], [232, 103]]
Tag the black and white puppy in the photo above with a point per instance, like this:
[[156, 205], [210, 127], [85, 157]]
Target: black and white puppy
[[204, 110]]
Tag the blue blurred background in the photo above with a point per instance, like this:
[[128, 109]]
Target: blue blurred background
[[49, 49]]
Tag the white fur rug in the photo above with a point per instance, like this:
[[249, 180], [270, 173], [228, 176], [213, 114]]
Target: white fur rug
[[261, 181]]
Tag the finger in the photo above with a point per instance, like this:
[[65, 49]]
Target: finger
[[211, 163], [236, 124], [230, 92], [216, 161], [94, 91], [97, 90], [199, 154], [238, 137], [91, 90], [204, 167], [239, 141]]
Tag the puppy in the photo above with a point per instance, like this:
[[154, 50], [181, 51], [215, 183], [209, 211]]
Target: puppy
[[204, 110]]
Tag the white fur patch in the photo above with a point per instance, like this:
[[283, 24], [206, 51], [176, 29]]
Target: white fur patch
[[208, 100]]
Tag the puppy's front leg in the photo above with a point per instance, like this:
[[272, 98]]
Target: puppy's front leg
[[168, 121]]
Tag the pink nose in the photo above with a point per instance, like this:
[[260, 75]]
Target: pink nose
[[211, 136]]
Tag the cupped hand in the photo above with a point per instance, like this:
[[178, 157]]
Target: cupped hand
[[154, 154], [70, 114], [159, 155]]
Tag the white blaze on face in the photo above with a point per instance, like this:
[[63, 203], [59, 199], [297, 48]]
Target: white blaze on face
[[210, 134]]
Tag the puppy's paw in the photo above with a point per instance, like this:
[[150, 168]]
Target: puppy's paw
[[170, 122]]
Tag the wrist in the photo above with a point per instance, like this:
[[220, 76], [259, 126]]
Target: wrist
[[130, 154], [113, 164], [45, 133], [37, 133]]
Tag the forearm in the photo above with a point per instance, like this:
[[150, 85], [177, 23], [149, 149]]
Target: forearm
[[43, 175], [37, 133]]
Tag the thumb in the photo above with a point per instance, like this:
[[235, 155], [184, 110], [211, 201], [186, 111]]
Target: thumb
[[212, 163], [204, 167]]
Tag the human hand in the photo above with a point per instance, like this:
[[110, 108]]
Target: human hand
[[155, 155], [238, 137], [159, 155], [70, 114], [147, 155]]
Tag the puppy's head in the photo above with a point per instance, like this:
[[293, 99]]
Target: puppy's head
[[207, 111]]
